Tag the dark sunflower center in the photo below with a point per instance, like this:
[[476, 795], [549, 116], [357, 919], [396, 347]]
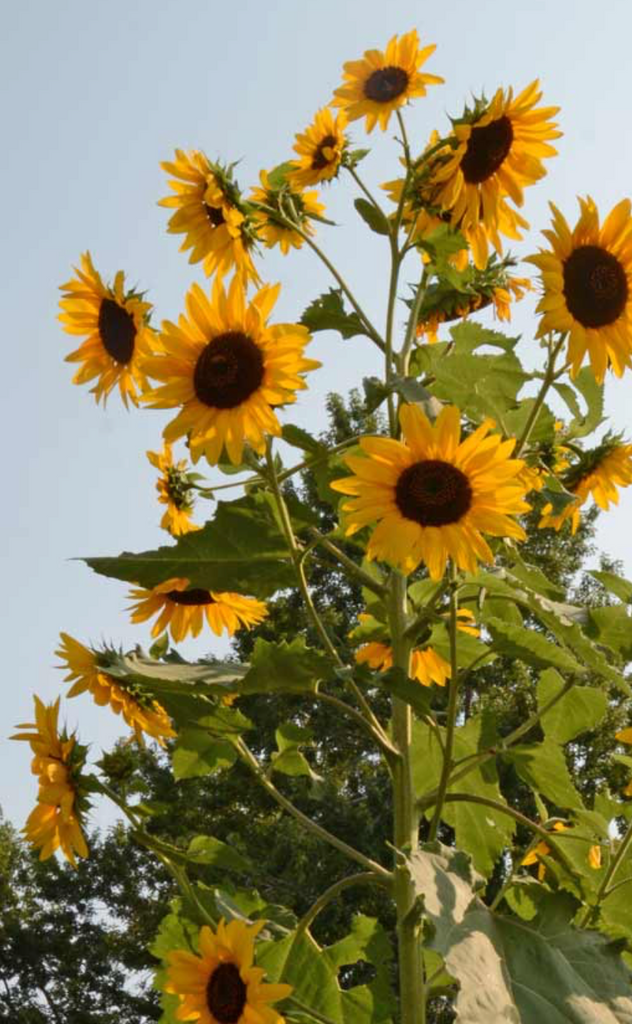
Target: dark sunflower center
[[228, 371], [195, 596], [319, 159], [117, 331], [595, 286], [386, 84], [226, 994], [433, 493], [487, 148], [214, 214]]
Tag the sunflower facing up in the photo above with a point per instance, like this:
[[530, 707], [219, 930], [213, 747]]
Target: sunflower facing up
[[320, 149], [271, 225], [382, 82], [210, 213], [597, 474], [175, 491], [221, 985], [587, 286], [495, 151], [183, 609], [55, 823], [433, 495], [140, 714], [227, 368], [115, 323]]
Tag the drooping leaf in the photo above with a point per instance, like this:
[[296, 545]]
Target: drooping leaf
[[197, 753], [328, 313], [618, 586], [284, 668], [468, 336], [302, 439], [593, 395], [212, 851], [288, 758], [372, 216]]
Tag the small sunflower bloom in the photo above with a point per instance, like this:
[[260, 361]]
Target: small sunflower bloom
[[174, 491], [184, 609], [142, 716], [56, 821], [118, 337], [227, 369], [382, 82], [426, 666], [587, 287], [320, 149], [220, 984], [433, 495], [209, 212], [272, 227], [598, 476], [542, 849]]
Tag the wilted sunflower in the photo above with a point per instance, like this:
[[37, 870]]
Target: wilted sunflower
[[184, 609], [380, 83], [56, 820], [271, 226], [433, 495], [117, 331], [494, 152], [142, 716], [227, 368], [210, 214], [587, 282], [174, 491], [221, 985], [320, 148], [598, 474]]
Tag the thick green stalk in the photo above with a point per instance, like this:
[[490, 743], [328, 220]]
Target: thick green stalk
[[453, 708]]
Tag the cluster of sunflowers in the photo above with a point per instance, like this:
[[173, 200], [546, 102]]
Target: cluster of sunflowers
[[431, 493]]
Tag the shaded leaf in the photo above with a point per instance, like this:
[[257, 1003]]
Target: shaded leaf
[[370, 214], [328, 313], [197, 753], [212, 851], [284, 668], [581, 709]]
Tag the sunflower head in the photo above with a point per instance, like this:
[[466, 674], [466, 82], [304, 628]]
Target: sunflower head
[[276, 203], [587, 287], [382, 82], [226, 367], [115, 324], [210, 213], [596, 474], [320, 148], [184, 609], [433, 495], [220, 984], [175, 490]]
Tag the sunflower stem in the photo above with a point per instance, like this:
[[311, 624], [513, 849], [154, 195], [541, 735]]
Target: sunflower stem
[[549, 378], [371, 198], [603, 891], [411, 328], [352, 567], [453, 708], [362, 878]]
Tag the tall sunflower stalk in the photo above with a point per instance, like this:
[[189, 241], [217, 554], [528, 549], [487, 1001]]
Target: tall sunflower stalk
[[430, 515]]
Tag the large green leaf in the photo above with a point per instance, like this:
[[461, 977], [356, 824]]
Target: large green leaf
[[328, 313], [212, 851], [617, 585], [579, 710], [468, 336], [240, 550], [612, 627], [543, 767], [284, 668], [197, 753], [216, 678], [480, 385], [530, 647], [515, 421]]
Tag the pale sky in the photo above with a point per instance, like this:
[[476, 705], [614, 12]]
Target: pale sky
[[95, 96]]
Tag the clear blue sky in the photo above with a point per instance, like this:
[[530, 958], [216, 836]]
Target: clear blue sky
[[94, 96]]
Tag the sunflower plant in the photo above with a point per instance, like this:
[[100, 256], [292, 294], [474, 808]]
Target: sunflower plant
[[505, 912]]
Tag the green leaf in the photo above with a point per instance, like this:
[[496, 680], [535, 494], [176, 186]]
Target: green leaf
[[160, 647], [216, 678], [277, 177], [354, 156], [284, 668], [327, 313], [468, 336], [543, 767], [578, 711], [397, 683], [530, 647], [197, 753], [370, 214], [240, 550], [300, 438], [617, 585], [593, 395], [567, 394], [212, 851], [612, 627], [480, 385], [542, 430], [288, 758]]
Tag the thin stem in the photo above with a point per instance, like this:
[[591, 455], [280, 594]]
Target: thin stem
[[549, 377], [373, 201], [603, 890], [352, 567], [304, 1008], [251, 761], [380, 737], [453, 708], [411, 327], [362, 878]]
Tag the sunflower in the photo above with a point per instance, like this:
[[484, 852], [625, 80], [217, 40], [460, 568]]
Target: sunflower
[[221, 985], [597, 474], [271, 226], [184, 609], [542, 849], [174, 490], [118, 335], [320, 148], [494, 152], [587, 282], [141, 715], [426, 666], [478, 290], [55, 822], [432, 496], [380, 83], [227, 367], [210, 214]]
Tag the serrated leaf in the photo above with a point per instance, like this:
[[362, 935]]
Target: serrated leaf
[[481, 385], [370, 214], [284, 668], [581, 709], [468, 336], [617, 585], [300, 438], [328, 313], [288, 758], [212, 851], [543, 429], [197, 754], [567, 394], [593, 395], [531, 647], [612, 627], [543, 767]]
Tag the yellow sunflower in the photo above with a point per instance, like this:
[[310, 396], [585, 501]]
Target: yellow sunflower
[[271, 229], [227, 368], [433, 495], [141, 715], [587, 283], [221, 985], [174, 491], [376, 86], [118, 336], [542, 849], [494, 152], [320, 148], [55, 822], [184, 609], [210, 214], [426, 666], [598, 475]]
